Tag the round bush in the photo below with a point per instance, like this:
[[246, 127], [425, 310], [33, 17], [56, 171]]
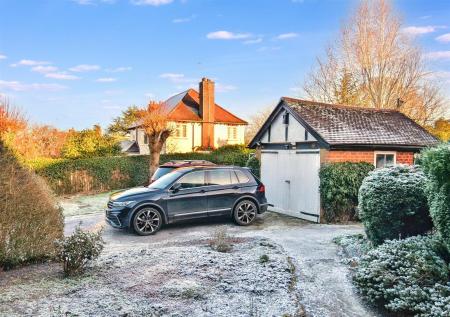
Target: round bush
[[392, 203], [408, 276], [436, 163]]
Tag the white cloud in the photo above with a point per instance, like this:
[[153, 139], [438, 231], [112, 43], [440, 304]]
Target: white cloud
[[119, 69], [224, 88], [2, 56], [84, 68], [62, 76], [106, 80], [254, 41], [286, 36], [226, 35], [44, 69], [92, 2], [268, 48], [29, 62], [154, 3], [418, 30], [444, 38], [176, 78], [436, 55], [184, 20], [18, 86]]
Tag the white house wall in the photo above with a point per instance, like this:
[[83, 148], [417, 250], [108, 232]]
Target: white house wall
[[221, 135], [296, 131]]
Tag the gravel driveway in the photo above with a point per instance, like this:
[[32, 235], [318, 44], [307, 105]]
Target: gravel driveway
[[321, 287], [323, 284]]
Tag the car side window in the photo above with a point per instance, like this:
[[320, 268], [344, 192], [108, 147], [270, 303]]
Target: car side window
[[242, 178], [219, 177], [192, 180]]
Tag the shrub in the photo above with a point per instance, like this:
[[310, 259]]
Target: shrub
[[254, 165], [408, 277], [67, 176], [220, 241], [77, 250], [436, 163], [392, 203], [30, 219], [339, 185]]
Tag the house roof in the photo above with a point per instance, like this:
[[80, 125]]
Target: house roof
[[185, 106], [338, 125]]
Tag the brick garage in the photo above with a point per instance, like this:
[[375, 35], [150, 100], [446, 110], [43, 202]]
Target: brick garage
[[301, 135], [365, 156]]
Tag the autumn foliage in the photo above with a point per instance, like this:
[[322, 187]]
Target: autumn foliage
[[154, 120]]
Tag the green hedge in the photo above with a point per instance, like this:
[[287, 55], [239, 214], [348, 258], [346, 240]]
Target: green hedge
[[436, 164], [339, 185], [66, 176]]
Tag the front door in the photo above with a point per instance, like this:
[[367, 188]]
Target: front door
[[189, 200]]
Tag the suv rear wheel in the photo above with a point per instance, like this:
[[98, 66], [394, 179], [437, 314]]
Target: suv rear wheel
[[244, 212], [147, 221]]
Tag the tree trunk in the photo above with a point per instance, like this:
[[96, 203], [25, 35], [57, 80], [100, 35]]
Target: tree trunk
[[155, 152]]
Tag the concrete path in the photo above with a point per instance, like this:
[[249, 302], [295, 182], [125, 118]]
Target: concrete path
[[324, 287]]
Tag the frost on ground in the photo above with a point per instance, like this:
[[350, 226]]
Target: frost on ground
[[185, 278]]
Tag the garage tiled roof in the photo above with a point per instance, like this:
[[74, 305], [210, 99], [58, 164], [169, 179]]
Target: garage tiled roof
[[345, 125]]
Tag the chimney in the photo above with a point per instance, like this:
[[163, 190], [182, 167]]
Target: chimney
[[207, 109]]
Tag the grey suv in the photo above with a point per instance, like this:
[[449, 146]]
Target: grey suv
[[189, 193]]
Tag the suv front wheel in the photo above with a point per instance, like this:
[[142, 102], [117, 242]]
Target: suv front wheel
[[147, 221], [244, 212]]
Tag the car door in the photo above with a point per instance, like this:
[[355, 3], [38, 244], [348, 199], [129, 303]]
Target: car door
[[189, 200], [222, 191]]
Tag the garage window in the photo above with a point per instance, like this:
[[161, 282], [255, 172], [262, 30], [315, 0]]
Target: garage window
[[384, 159]]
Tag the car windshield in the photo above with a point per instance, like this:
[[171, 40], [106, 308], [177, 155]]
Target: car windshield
[[165, 181], [161, 171]]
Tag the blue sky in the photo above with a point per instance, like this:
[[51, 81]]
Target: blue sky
[[77, 63]]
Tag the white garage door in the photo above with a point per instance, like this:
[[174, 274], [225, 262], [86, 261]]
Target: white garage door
[[292, 182]]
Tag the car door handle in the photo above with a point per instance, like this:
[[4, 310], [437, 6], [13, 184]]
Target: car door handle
[[235, 187], [202, 191]]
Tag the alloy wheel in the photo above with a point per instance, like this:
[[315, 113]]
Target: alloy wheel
[[246, 212], [148, 221]]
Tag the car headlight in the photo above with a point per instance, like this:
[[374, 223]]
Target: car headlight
[[122, 203]]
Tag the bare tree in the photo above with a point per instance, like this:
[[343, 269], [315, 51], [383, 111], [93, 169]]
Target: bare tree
[[375, 64], [157, 128], [255, 123]]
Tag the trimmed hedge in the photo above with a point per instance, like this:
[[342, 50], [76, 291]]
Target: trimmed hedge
[[392, 203], [66, 176], [30, 219], [339, 185], [436, 164]]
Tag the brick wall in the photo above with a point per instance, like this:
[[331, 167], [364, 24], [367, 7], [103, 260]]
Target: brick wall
[[363, 156], [405, 158]]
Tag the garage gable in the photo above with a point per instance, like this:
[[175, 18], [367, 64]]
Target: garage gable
[[284, 126]]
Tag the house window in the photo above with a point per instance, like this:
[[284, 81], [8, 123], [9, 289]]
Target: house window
[[286, 126], [306, 135], [145, 139], [232, 133], [180, 131], [268, 133], [384, 159]]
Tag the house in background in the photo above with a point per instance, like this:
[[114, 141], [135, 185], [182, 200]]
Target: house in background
[[301, 135], [198, 122]]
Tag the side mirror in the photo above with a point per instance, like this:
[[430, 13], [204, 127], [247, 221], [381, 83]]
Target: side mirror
[[175, 187]]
